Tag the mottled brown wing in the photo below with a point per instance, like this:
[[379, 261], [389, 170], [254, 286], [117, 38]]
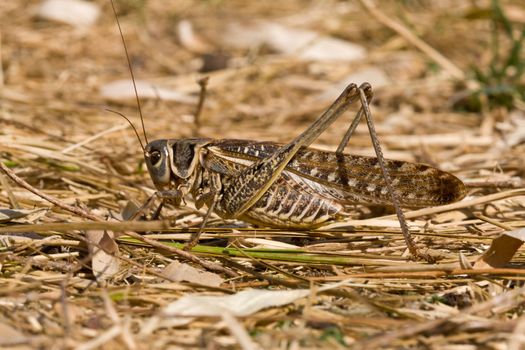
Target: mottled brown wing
[[349, 179]]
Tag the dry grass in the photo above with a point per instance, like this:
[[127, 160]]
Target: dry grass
[[51, 109]]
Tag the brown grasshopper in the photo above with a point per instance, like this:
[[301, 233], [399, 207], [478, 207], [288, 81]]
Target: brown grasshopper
[[291, 185]]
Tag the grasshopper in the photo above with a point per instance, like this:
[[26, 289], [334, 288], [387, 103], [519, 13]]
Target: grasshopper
[[292, 185]]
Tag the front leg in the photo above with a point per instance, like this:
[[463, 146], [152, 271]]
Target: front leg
[[176, 197], [211, 197], [171, 196], [194, 239]]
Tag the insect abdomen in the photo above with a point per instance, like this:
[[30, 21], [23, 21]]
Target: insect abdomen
[[353, 179], [285, 206]]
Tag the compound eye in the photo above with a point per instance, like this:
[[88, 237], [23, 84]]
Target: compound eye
[[155, 157]]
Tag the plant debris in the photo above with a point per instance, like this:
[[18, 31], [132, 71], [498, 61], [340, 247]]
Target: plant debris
[[74, 274]]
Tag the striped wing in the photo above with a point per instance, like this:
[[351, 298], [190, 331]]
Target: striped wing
[[348, 179]]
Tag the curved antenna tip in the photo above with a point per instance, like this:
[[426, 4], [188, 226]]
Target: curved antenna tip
[[131, 124]]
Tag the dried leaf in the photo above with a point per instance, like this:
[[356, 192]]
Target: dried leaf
[[78, 13], [332, 49], [190, 40], [123, 90], [129, 210], [7, 215], [305, 44], [103, 249], [240, 304], [184, 272], [501, 250]]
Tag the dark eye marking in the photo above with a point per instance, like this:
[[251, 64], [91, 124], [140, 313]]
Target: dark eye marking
[[154, 157]]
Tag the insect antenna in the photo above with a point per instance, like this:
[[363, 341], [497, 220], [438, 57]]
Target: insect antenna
[[130, 123], [132, 79]]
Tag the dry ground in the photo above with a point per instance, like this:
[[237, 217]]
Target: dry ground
[[56, 135]]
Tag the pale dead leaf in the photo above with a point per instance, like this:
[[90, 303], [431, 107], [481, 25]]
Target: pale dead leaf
[[123, 90], [78, 13], [183, 272], [501, 250], [190, 40], [240, 304], [332, 49], [103, 249], [301, 43]]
